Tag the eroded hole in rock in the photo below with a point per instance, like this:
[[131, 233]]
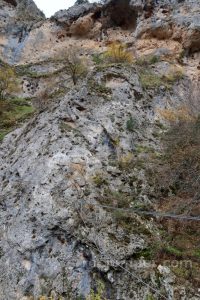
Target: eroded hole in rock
[[81, 108], [121, 14], [194, 47], [12, 2], [96, 15]]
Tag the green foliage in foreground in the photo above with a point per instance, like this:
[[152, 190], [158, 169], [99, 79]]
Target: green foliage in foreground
[[12, 113], [151, 80], [99, 294]]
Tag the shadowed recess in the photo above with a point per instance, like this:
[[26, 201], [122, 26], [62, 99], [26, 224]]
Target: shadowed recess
[[121, 14], [12, 2]]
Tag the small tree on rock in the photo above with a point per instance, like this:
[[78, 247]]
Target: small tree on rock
[[76, 66]]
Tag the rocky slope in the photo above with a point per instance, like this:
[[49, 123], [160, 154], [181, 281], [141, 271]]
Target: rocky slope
[[70, 176]]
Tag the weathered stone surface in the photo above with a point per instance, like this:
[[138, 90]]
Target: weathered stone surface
[[15, 25], [73, 13], [54, 233], [43, 189], [179, 22], [58, 169], [22, 31]]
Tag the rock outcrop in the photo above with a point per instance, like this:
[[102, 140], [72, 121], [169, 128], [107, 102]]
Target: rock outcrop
[[76, 178], [23, 32], [56, 171], [178, 22], [17, 20], [72, 14]]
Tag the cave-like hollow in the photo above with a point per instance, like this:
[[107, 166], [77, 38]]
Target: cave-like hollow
[[12, 2], [121, 14]]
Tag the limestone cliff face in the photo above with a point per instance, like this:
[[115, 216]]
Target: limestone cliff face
[[17, 20], [25, 37], [92, 146]]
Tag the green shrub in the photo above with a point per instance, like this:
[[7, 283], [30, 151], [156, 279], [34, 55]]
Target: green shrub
[[129, 223], [147, 253], [131, 124], [8, 82], [118, 53], [147, 60], [150, 297], [13, 112], [126, 161], [151, 80], [115, 198], [3, 133], [197, 253], [98, 59], [154, 59], [99, 180], [173, 251], [99, 294]]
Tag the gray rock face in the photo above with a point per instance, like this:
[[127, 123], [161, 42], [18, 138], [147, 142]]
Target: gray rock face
[[74, 12], [179, 21], [160, 19], [44, 190], [55, 235], [28, 7], [60, 170], [15, 25]]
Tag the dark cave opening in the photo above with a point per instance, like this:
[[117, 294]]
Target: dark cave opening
[[12, 2], [121, 14], [97, 14]]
